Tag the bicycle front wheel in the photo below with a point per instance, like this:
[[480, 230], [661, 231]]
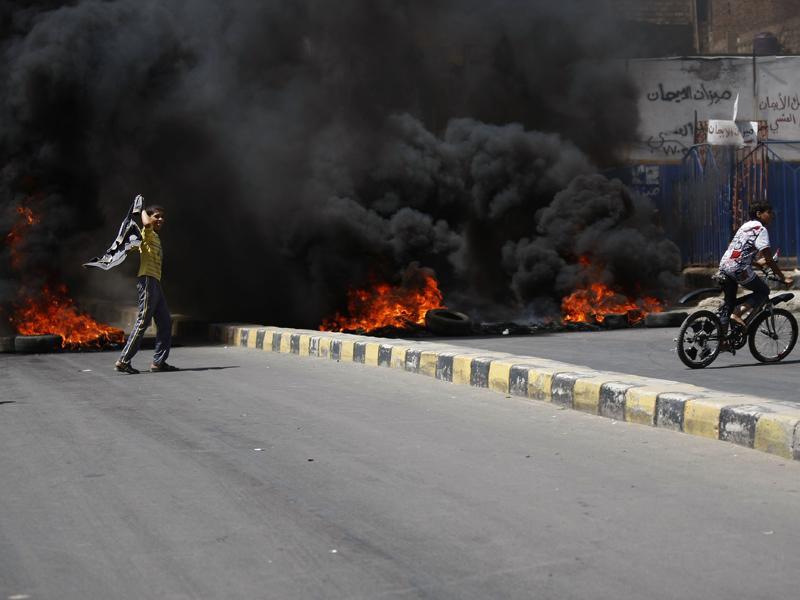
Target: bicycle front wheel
[[773, 335], [698, 339]]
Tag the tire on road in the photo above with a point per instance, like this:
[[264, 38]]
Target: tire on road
[[37, 344], [666, 319], [6, 343], [616, 321], [442, 321]]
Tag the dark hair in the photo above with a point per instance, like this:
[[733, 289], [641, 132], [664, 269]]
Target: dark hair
[[757, 207], [153, 208]]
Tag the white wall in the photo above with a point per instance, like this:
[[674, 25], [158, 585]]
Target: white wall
[[674, 93]]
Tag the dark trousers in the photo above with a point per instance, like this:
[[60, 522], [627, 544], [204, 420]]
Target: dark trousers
[[730, 286], [152, 306]]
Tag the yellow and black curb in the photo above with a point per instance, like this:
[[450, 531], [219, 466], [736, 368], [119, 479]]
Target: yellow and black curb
[[765, 425]]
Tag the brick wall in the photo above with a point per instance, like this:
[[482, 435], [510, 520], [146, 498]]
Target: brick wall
[[734, 23], [657, 12], [655, 27], [730, 28], [789, 35]]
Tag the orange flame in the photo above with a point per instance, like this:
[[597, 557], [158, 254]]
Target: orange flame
[[17, 234], [592, 304], [384, 305], [53, 312]]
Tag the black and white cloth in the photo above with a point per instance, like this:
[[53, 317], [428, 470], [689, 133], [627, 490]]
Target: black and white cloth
[[128, 238]]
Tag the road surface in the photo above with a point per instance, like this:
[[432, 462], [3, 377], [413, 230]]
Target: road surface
[[262, 475]]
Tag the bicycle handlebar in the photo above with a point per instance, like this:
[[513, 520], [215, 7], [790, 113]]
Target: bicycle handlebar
[[770, 275]]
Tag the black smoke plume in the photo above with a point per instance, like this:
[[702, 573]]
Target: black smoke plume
[[302, 148]]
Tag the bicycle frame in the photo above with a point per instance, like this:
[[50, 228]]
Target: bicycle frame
[[765, 306]]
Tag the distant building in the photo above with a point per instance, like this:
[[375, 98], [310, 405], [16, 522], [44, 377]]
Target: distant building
[[730, 26], [686, 27], [657, 27]]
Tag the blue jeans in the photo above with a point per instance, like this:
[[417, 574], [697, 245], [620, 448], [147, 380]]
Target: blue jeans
[[152, 306]]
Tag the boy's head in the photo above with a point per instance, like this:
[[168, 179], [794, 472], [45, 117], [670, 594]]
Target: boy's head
[[153, 215], [761, 211]]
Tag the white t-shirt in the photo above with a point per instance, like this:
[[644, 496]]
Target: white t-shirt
[[737, 261]]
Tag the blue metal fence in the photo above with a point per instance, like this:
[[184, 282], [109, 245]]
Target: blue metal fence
[[784, 187], [702, 200]]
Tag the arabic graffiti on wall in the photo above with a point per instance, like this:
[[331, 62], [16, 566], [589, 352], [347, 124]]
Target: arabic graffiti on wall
[[689, 92], [677, 98], [672, 142], [785, 111]]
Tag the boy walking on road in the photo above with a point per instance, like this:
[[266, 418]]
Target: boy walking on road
[[152, 304]]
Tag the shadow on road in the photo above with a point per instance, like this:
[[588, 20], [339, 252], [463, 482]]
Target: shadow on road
[[183, 370], [756, 364]]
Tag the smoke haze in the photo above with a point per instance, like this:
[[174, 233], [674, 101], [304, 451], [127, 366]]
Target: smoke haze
[[302, 148]]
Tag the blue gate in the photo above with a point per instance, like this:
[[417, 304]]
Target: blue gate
[[704, 199], [784, 194]]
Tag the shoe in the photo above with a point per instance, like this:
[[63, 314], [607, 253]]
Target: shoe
[[162, 368], [124, 367]]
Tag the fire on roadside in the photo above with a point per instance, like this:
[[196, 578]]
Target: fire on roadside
[[595, 302], [53, 312], [50, 310], [383, 305]]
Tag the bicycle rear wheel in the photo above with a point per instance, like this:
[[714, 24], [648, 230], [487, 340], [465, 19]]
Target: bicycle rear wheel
[[698, 339], [773, 335]]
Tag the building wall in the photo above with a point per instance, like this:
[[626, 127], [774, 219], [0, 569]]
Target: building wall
[[656, 27], [714, 26], [675, 95], [733, 24], [657, 12]]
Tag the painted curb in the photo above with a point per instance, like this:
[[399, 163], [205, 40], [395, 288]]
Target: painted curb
[[758, 423]]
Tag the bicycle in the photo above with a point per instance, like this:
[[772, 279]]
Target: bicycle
[[770, 332]]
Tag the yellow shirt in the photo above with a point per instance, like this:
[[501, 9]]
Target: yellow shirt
[[150, 249]]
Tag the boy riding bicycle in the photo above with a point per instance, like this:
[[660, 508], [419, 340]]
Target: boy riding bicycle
[[750, 244]]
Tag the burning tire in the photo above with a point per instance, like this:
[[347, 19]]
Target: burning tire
[[666, 319], [37, 344], [6, 343], [615, 321], [448, 322]]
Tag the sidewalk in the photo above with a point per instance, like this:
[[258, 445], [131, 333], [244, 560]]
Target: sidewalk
[[766, 425]]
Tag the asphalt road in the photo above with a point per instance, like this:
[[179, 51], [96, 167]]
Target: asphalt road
[[259, 475], [651, 353]]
